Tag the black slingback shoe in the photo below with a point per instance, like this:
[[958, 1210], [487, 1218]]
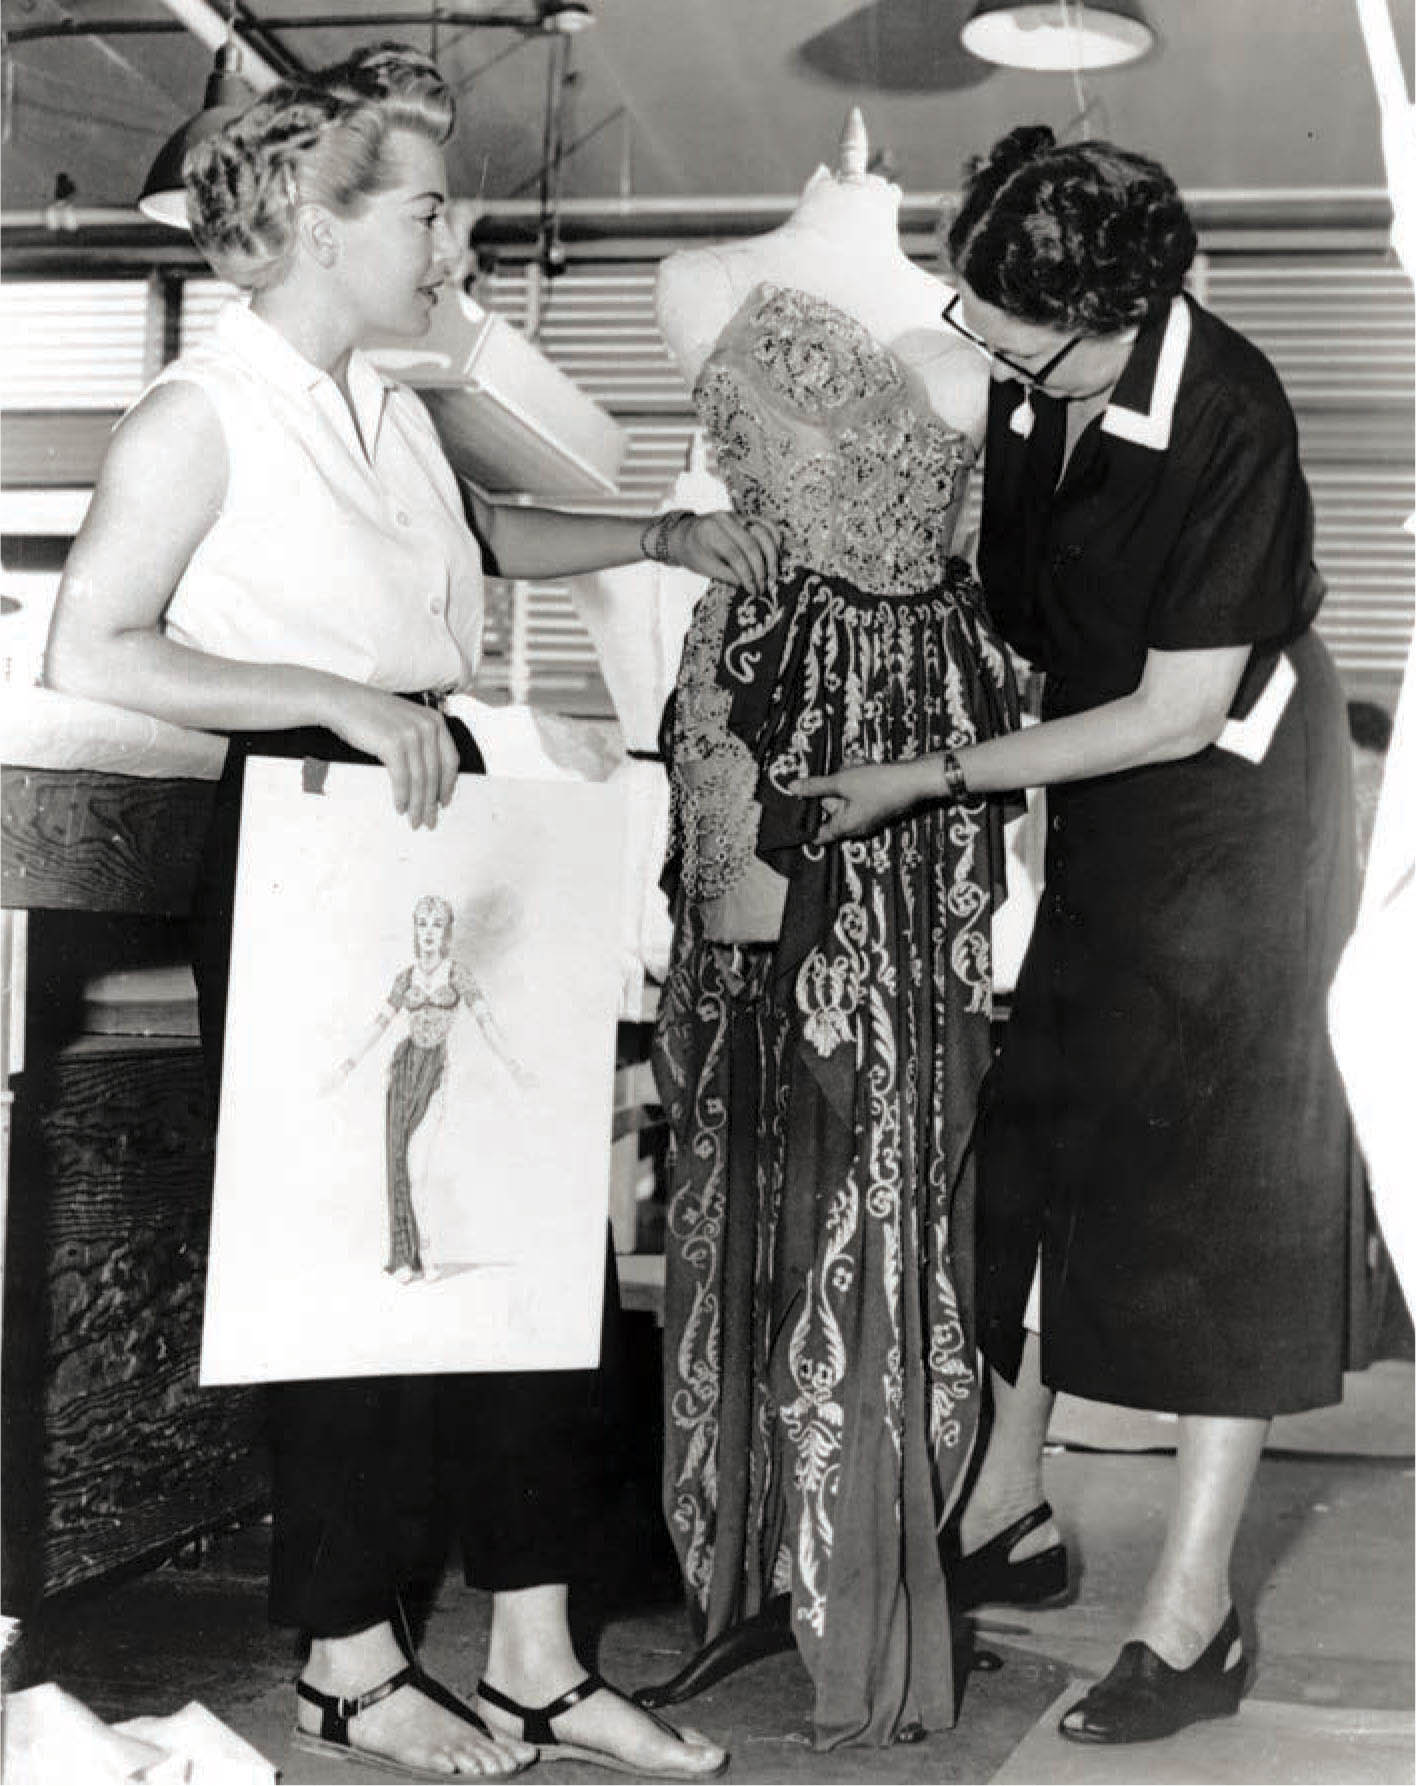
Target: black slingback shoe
[[1144, 1698], [989, 1577], [336, 1715]]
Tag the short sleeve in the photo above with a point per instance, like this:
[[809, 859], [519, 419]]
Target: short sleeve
[[398, 996], [465, 986], [1239, 570]]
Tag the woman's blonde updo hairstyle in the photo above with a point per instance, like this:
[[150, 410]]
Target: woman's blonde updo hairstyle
[[322, 142]]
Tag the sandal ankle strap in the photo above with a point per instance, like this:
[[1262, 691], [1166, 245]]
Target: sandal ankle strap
[[336, 1712]]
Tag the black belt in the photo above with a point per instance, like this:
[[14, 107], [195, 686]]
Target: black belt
[[433, 697]]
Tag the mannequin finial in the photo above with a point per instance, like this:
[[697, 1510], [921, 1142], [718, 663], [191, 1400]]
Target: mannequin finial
[[854, 152]]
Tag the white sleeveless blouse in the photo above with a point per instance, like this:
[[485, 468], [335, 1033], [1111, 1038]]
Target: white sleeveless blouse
[[337, 548]]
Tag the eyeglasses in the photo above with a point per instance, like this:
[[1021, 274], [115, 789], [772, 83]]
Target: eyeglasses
[[1036, 376]]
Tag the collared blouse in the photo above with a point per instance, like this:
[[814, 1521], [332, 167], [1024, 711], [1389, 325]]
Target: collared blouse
[[1182, 521], [340, 545]]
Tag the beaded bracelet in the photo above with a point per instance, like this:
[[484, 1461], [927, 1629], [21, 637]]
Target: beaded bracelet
[[654, 541]]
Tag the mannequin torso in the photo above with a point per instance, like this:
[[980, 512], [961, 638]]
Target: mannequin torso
[[840, 245]]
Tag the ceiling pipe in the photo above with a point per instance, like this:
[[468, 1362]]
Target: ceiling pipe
[[208, 26], [1211, 207], [454, 17]]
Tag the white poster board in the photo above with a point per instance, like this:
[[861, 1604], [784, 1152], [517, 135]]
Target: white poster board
[[413, 1147]]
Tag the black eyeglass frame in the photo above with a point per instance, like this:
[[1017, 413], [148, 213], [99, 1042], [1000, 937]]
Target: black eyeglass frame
[[1036, 378]]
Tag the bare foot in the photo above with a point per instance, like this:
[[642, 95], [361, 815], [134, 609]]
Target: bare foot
[[612, 1725], [407, 1727]]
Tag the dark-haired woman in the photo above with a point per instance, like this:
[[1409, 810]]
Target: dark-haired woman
[[1164, 1124], [277, 548]]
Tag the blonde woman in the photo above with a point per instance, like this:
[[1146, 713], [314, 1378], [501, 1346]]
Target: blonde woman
[[278, 549]]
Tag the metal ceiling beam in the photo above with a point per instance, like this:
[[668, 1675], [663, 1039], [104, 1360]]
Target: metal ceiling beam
[[1223, 208], [458, 18], [273, 61], [62, 239]]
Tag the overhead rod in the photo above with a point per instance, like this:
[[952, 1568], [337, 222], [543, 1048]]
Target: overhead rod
[[1226, 210], [264, 62], [458, 17]]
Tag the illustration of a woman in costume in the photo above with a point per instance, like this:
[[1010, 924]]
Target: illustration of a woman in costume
[[429, 992]]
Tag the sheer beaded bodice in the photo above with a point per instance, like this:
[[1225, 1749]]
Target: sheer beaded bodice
[[820, 429]]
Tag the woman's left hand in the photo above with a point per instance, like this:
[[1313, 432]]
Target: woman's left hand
[[723, 546], [862, 799]]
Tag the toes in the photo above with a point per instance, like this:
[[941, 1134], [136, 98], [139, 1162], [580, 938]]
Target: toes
[[695, 1739], [477, 1762]]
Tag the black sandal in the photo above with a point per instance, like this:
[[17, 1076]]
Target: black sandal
[[536, 1728], [336, 1715]]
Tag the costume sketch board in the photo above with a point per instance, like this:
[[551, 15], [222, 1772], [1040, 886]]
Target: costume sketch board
[[413, 1148]]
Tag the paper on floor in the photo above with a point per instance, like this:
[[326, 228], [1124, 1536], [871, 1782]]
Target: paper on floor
[[51, 1739]]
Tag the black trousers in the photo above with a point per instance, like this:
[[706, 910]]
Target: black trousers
[[372, 1476]]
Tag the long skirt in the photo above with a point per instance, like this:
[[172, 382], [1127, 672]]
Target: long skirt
[[821, 1398], [1166, 1117]]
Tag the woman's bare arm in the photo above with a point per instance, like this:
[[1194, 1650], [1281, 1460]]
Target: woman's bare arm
[[1178, 708], [540, 542], [159, 491]]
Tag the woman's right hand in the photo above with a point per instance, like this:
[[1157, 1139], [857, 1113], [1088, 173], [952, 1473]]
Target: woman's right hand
[[411, 741], [860, 799]]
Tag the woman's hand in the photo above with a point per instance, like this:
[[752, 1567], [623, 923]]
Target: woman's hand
[[411, 741], [861, 799], [723, 546], [336, 1077]]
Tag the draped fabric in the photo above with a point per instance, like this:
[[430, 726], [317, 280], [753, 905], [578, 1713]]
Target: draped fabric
[[415, 1073], [821, 1081]]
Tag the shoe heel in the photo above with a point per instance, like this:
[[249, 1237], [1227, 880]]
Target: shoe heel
[[1234, 1683], [1040, 1580]]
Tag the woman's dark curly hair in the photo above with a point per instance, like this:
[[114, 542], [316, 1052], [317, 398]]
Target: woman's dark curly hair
[[1080, 236]]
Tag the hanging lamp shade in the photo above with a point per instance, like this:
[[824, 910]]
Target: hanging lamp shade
[[164, 196], [1058, 35], [568, 17]]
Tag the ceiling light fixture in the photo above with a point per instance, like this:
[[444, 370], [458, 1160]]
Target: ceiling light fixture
[[164, 195], [1058, 36], [568, 17]]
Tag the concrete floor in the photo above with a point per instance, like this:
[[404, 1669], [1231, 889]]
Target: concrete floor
[[1323, 1578]]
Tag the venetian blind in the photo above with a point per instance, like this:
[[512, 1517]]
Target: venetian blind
[[75, 344]]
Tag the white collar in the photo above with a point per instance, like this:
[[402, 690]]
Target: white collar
[[1150, 427], [268, 352]]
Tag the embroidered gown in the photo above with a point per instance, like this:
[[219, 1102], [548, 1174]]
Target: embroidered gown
[[821, 1398]]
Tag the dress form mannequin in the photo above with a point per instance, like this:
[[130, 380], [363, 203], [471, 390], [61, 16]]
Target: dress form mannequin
[[841, 244], [841, 248]]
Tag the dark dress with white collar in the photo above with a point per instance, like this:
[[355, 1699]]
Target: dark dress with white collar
[[1165, 1118]]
